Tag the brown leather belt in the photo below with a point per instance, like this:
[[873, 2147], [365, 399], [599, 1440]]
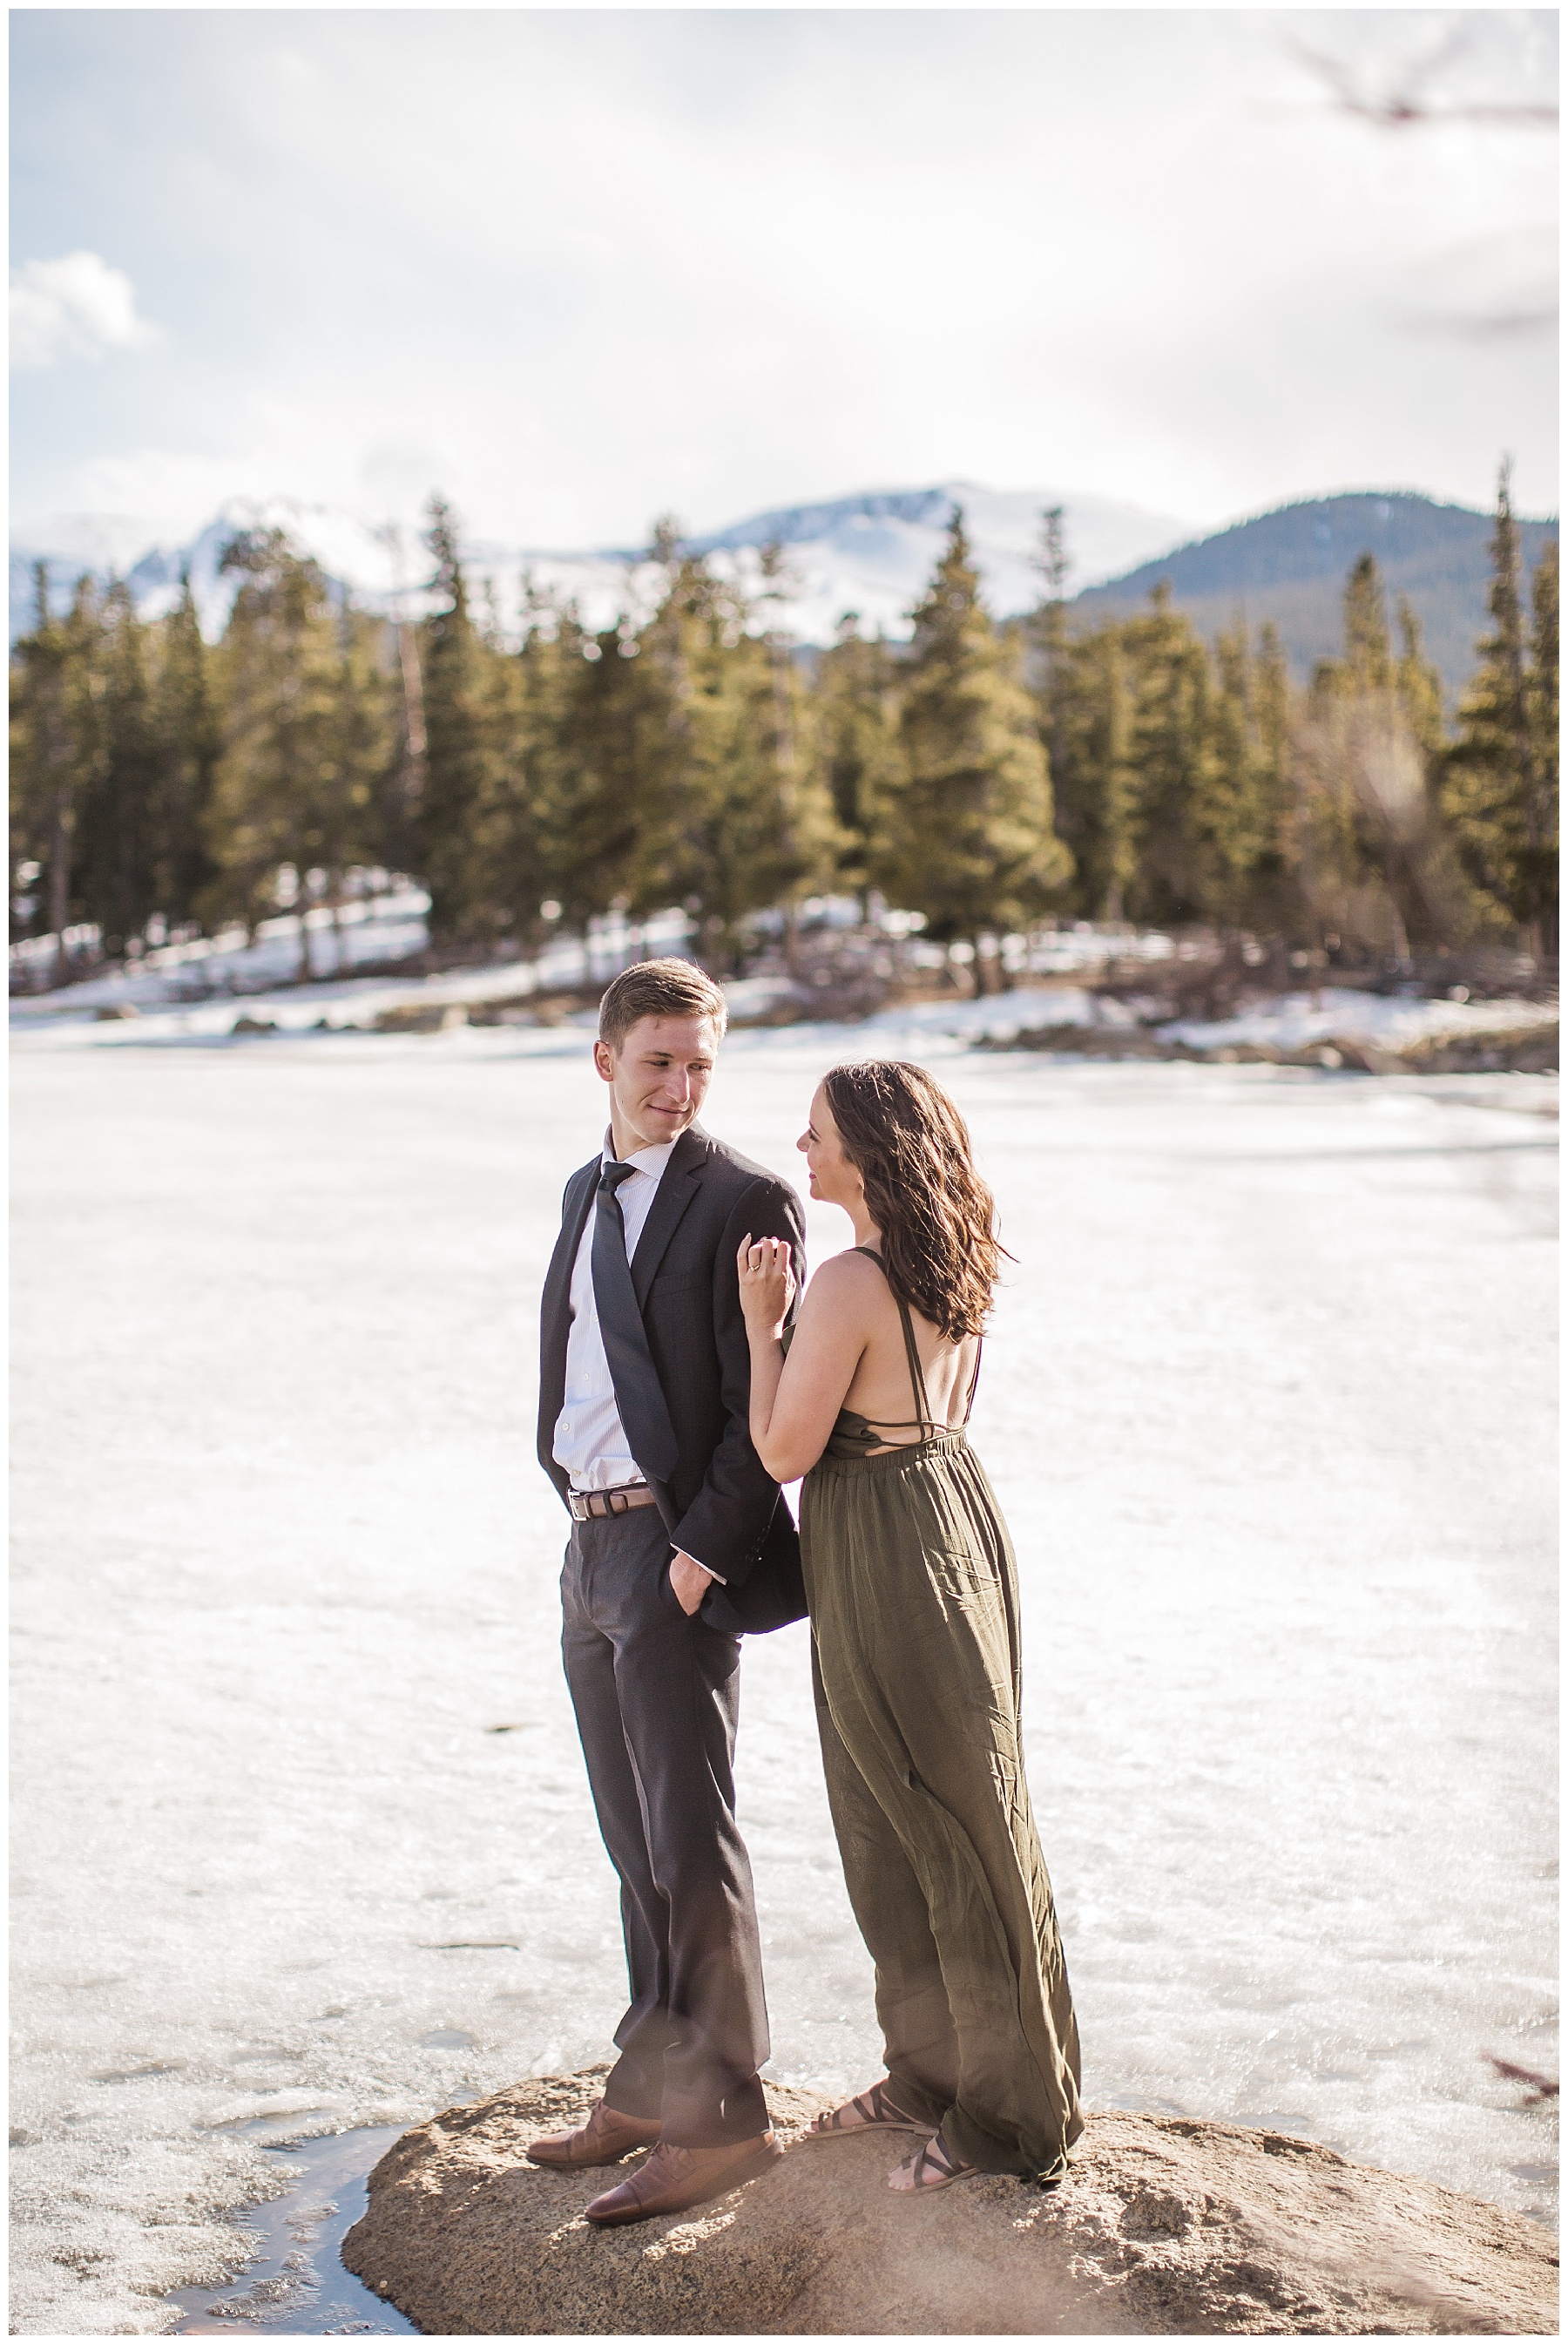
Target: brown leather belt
[[593, 1505]]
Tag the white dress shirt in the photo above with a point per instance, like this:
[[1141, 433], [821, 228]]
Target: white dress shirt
[[590, 1441]]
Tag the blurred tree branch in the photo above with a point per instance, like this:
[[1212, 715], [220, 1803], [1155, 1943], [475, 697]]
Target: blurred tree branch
[[1403, 104]]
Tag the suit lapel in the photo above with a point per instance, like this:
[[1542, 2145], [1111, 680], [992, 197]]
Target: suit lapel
[[555, 1303], [682, 1178], [575, 1217], [578, 1201]]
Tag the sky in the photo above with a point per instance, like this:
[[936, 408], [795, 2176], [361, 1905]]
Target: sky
[[577, 268]]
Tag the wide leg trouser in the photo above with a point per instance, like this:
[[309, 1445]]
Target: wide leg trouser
[[657, 1696], [915, 1648]]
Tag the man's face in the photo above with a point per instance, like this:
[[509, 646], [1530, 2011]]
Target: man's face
[[658, 1079]]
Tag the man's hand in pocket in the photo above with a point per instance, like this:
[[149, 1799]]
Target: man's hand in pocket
[[689, 1580]]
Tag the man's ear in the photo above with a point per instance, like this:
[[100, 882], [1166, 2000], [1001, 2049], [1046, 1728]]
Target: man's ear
[[604, 1062]]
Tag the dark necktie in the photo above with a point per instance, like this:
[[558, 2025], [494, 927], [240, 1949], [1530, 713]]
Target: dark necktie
[[637, 1394]]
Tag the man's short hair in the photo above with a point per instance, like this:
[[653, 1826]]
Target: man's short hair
[[658, 989]]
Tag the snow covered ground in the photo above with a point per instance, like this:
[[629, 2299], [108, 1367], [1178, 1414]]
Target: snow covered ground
[[206, 986], [304, 1839], [380, 928], [1293, 1021], [201, 990], [231, 971]]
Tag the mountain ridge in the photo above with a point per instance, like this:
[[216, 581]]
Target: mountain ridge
[[872, 552], [1289, 566]]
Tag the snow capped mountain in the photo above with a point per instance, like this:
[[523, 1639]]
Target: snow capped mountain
[[356, 556], [871, 554], [874, 554]]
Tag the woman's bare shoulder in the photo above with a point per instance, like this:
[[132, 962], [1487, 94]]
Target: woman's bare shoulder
[[848, 1280]]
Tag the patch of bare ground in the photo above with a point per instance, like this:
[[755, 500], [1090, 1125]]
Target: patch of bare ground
[[1163, 2226]]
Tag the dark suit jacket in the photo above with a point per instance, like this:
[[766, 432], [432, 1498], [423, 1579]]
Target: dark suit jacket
[[720, 1505]]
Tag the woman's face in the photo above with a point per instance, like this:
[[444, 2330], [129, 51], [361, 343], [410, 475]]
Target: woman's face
[[831, 1176]]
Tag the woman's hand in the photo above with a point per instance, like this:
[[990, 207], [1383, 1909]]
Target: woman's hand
[[767, 1276]]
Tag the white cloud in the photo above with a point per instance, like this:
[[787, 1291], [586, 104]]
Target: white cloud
[[183, 488], [577, 267], [1504, 283], [73, 308]]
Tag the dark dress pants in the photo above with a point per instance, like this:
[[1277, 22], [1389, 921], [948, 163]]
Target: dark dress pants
[[657, 1696]]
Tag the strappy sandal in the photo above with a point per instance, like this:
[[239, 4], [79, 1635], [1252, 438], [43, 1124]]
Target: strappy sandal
[[874, 2112], [933, 2165]]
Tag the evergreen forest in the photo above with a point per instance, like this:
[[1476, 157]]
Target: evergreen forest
[[982, 776]]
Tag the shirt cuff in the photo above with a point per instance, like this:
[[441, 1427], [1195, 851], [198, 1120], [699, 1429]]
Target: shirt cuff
[[708, 1567]]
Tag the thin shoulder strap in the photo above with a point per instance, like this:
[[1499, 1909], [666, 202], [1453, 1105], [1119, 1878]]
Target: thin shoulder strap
[[974, 1380], [916, 1374]]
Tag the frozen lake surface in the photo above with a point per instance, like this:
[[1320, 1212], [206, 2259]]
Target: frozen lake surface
[[294, 2283], [304, 1841]]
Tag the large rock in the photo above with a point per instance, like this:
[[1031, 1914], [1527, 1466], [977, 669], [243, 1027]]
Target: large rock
[[1162, 2226]]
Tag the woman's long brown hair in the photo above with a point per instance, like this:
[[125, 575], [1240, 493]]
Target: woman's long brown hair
[[909, 1143]]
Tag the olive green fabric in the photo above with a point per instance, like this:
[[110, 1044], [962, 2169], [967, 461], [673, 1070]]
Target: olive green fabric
[[913, 1594]]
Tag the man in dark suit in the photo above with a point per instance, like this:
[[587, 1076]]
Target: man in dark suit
[[679, 1542]]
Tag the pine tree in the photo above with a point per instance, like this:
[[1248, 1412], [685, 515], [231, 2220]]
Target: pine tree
[[1276, 906], [403, 793], [735, 820], [1086, 716], [857, 747], [1051, 641], [1084, 722], [281, 783], [608, 832], [186, 722], [520, 707], [1499, 790], [51, 749], [1420, 688], [450, 858], [117, 814], [787, 775], [357, 812], [972, 843], [737, 841], [1245, 817], [763, 837], [1368, 662], [1544, 717], [620, 746], [1172, 758], [1370, 856]]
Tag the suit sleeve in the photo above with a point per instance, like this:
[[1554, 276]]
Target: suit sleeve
[[725, 1525]]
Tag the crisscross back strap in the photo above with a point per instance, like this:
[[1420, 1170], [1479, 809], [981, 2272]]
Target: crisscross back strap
[[917, 1373], [923, 1416]]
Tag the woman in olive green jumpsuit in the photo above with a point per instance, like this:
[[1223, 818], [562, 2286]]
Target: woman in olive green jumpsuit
[[913, 1593]]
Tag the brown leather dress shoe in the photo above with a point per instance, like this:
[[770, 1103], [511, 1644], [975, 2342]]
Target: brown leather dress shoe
[[605, 2139], [674, 2178]]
